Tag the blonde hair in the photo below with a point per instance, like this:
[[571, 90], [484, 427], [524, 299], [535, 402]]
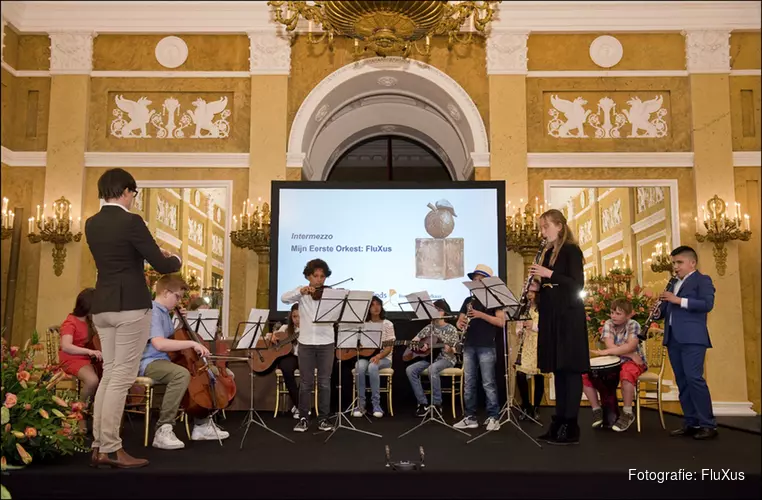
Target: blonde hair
[[564, 236]]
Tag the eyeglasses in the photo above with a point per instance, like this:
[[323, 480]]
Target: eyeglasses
[[133, 191]]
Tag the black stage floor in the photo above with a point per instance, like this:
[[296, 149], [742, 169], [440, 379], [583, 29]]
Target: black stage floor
[[351, 465]]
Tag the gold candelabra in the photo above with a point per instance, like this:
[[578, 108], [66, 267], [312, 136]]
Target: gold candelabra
[[721, 229], [388, 27], [660, 260], [522, 230], [55, 229], [8, 217], [191, 279], [251, 229]]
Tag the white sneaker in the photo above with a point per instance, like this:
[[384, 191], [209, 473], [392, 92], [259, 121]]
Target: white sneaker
[[492, 424], [165, 439], [359, 411], [208, 432], [295, 412], [467, 423]]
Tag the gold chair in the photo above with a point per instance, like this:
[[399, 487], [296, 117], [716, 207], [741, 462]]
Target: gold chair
[[655, 353], [386, 373], [281, 391], [139, 401], [456, 386], [52, 345]]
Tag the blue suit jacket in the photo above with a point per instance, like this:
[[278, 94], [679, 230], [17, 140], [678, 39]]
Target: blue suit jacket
[[689, 325]]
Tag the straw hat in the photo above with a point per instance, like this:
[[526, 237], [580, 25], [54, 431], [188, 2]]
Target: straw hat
[[482, 270]]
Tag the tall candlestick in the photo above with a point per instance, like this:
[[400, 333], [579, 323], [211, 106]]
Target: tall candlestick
[[5, 204], [79, 223], [31, 222], [536, 204], [746, 219], [38, 212], [13, 216]]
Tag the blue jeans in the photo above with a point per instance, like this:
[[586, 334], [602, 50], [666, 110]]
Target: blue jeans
[[365, 367], [414, 375], [482, 359]]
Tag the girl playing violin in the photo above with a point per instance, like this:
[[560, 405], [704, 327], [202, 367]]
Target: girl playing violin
[[316, 345], [290, 362], [76, 359]]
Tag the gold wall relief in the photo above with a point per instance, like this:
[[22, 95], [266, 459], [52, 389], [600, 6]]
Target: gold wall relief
[[745, 110], [26, 128], [745, 50], [168, 115], [612, 114]]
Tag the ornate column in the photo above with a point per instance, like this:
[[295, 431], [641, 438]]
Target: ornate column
[[270, 65], [708, 62], [71, 56], [507, 70]]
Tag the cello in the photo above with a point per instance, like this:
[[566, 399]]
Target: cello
[[210, 389], [94, 343]]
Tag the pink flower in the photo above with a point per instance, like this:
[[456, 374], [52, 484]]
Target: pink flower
[[25, 457], [60, 402], [77, 406], [23, 376], [30, 432], [648, 293], [10, 400], [14, 350], [44, 414], [600, 330], [66, 431], [27, 406]]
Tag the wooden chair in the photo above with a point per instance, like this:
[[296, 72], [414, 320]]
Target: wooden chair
[[140, 400], [456, 386], [655, 354], [386, 373], [281, 391]]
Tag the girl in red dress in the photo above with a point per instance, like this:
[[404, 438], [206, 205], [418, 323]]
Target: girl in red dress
[[75, 358]]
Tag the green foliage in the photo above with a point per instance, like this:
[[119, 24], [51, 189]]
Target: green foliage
[[598, 306]]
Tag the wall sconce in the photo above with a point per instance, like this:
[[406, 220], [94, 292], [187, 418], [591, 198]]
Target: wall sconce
[[191, 278], [8, 217], [522, 230], [55, 229], [721, 229], [660, 260], [251, 229]]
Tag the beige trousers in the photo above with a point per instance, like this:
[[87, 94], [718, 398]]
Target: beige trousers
[[123, 338]]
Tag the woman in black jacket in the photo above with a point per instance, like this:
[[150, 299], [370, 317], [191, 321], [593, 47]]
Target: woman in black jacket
[[562, 346]]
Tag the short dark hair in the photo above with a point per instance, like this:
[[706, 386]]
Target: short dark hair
[[113, 182], [84, 302], [622, 304], [383, 312], [315, 264], [443, 305], [686, 250]]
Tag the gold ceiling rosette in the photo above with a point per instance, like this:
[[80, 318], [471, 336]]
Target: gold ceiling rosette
[[388, 28]]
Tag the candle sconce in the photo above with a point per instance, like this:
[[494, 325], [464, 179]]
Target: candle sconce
[[55, 229], [522, 230], [251, 229], [660, 260], [191, 279], [721, 229], [8, 217]]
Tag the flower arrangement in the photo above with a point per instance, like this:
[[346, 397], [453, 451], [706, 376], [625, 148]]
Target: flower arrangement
[[37, 424], [598, 306]]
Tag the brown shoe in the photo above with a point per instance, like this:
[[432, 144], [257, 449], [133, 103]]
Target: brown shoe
[[119, 460], [94, 458]]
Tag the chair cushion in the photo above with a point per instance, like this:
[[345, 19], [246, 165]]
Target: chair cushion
[[649, 377], [447, 372], [384, 372], [279, 373], [147, 381]]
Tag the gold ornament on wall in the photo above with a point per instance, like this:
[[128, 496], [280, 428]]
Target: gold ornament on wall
[[55, 229], [388, 28], [522, 229], [251, 229], [721, 229]]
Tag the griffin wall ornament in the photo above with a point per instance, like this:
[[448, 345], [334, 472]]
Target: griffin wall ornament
[[132, 119]]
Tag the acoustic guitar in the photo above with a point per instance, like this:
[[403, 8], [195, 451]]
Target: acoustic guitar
[[266, 353], [414, 347]]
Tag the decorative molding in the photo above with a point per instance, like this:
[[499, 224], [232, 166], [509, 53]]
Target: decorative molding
[[196, 232], [582, 212], [746, 72], [165, 236], [611, 216], [217, 225], [605, 193], [167, 160], [585, 232], [23, 158], [649, 221], [25, 73], [198, 211], [647, 197], [2, 37], [171, 51], [707, 51], [269, 53], [170, 74], [138, 117], [622, 160], [218, 245], [608, 256], [507, 52], [606, 51], [166, 212], [173, 193], [196, 253], [480, 159], [733, 409], [71, 53], [587, 253], [611, 240], [192, 264], [219, 265], [639, 250], [747, 158], [639, 73]]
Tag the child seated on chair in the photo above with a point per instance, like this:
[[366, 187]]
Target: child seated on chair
[[289, 363], [75, 359], [156, 365], [620, 334], [442, 332], [372, 366]]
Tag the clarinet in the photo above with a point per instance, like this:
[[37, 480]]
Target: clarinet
[[655, 309], [524, 300]]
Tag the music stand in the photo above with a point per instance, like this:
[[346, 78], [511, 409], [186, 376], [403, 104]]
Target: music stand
[[492, 293], [368, 336], [247, 340], [424, 310]]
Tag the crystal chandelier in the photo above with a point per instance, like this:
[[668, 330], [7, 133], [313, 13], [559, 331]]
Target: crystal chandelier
[[388, 28]]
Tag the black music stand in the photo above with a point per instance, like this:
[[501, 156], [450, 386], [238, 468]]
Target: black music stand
[[493, 293], [424, 309], [348, 307], [247, 340]]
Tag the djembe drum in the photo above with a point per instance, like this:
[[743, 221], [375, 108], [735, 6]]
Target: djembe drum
[[604, 375]]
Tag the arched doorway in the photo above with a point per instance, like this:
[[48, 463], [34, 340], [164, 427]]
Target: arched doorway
[[387, 96], [388, 158]]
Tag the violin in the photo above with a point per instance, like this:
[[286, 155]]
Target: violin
[[317, 294], [210, 388]]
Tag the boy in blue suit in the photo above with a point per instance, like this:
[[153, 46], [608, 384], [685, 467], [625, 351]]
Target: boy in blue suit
[[684, 310]]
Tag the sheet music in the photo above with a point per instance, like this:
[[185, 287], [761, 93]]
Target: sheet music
[[369, 333], [208, 319], [329, 308], [425, 311], [492, 293], [358, 303], [256, 323]]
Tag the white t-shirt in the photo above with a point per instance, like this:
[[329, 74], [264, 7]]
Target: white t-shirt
[[387, 334], [284, 328]]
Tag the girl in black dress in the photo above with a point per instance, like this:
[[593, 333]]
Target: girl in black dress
[[562, 346]]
